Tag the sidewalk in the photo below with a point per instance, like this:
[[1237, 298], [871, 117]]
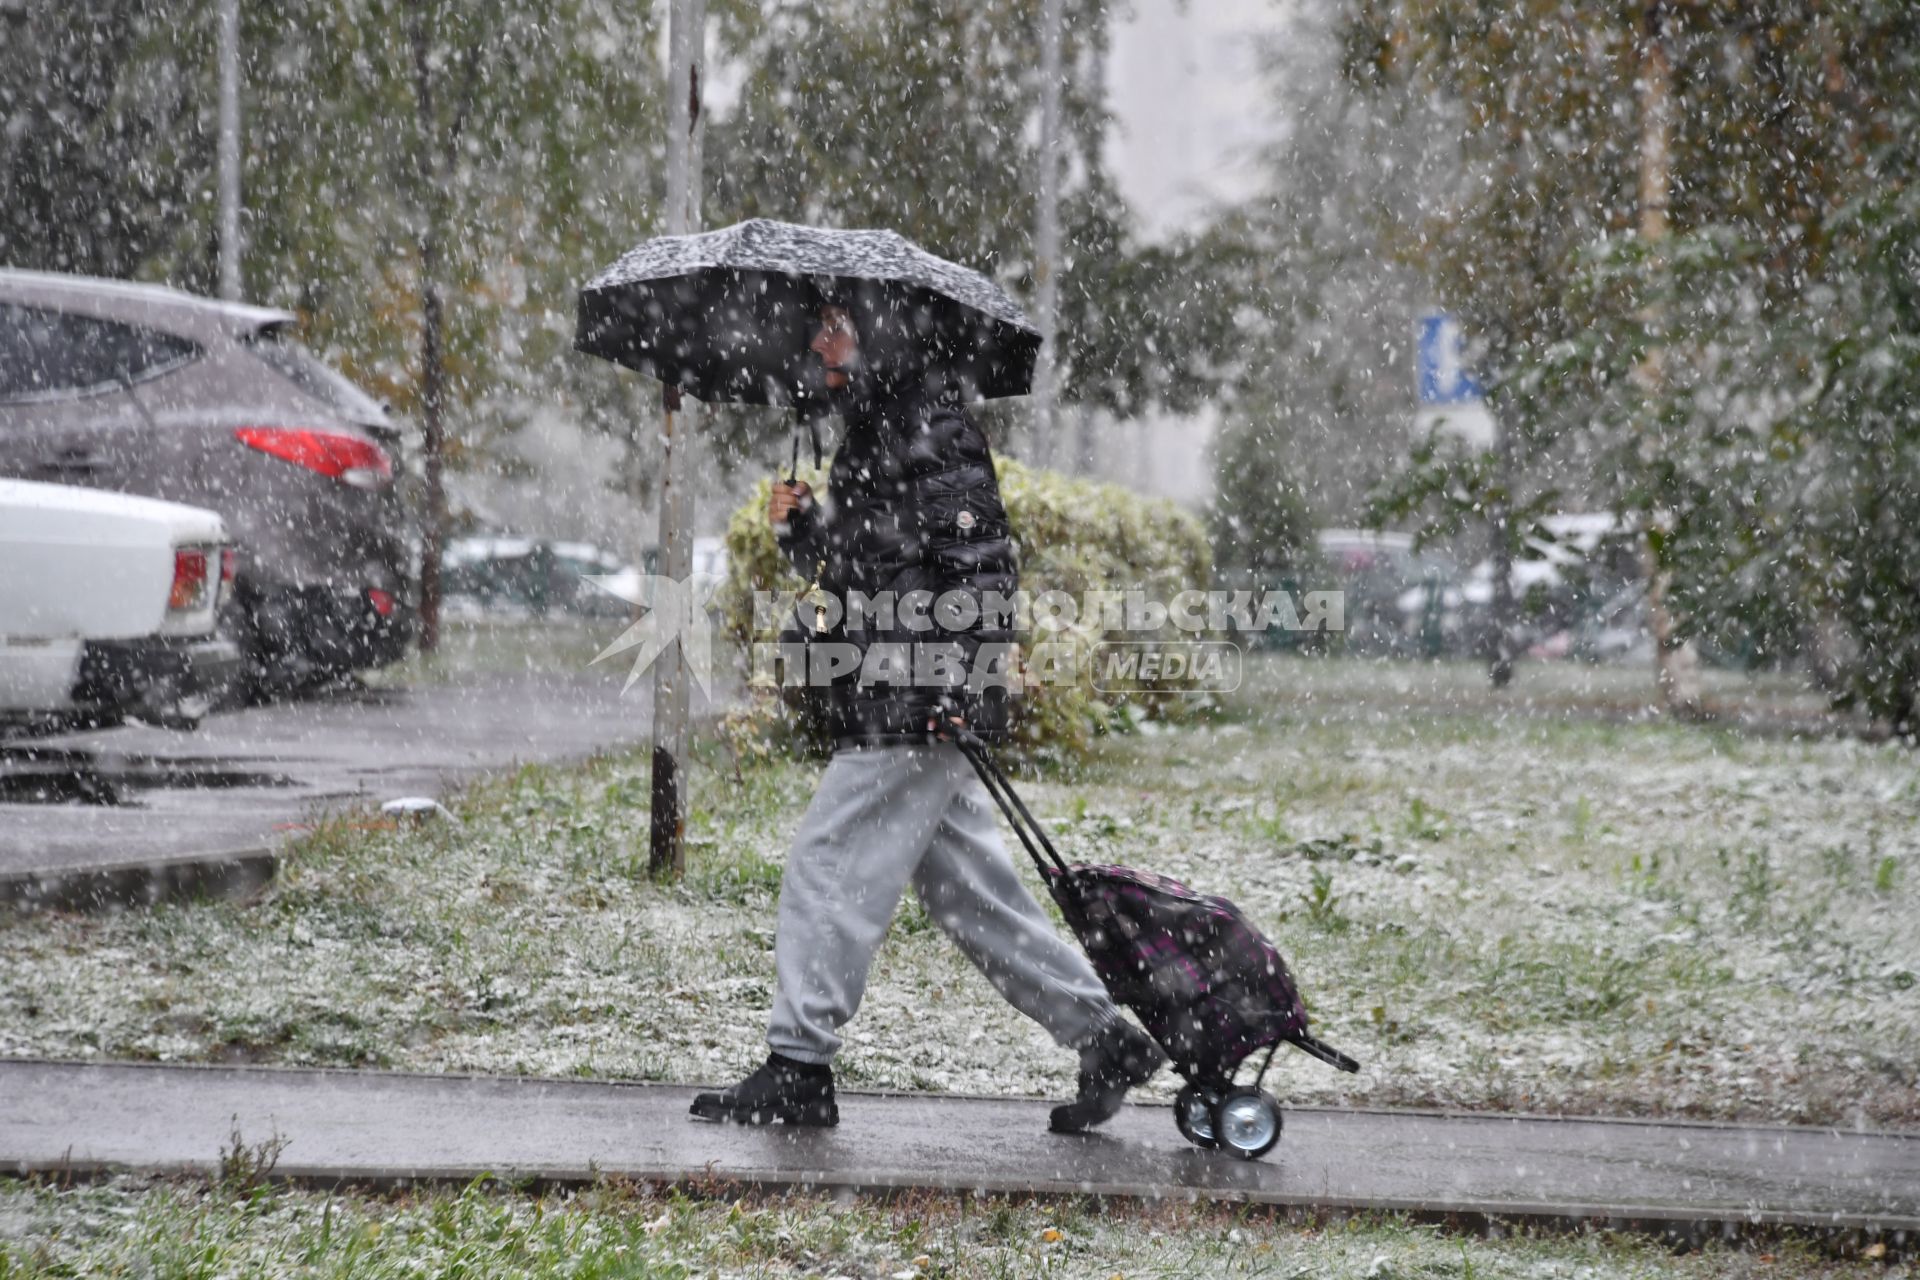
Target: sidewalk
[[382, 1128], [206, 813]]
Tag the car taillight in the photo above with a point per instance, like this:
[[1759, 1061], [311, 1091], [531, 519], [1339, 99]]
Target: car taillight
[[229, 567], [189, 580], [350, 459]]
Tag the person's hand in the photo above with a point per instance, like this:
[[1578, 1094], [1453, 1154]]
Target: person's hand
[[938, 727], [787, 499]]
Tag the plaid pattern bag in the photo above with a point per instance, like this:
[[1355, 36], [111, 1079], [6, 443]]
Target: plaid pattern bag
[[1205, 983]]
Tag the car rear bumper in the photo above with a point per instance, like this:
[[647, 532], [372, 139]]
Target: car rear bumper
[[169, 681], [320, 630]]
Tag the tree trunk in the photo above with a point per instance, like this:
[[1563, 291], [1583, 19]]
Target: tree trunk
[[1676, 662], [437, 150], [433, 448], [430, 204], [1500, 518], [1046, 240]]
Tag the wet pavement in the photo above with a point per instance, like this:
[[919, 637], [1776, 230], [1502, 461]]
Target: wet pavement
[[117, 800], [380, 1128]]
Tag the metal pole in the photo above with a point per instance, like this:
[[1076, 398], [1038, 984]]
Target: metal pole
[[696, 118], [680, 90], [667, 854], [1046, 235], [229, 149]]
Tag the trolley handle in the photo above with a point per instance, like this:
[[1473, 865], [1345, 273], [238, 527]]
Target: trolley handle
[[1001, 789]]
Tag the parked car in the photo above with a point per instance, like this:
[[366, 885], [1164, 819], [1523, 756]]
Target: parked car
[[152, 391], [1378, 571], [505, 574], [509, 575], [1573, 571], [109, 607]]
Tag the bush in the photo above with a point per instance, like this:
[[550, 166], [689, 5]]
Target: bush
[[1074, 536], [1262, 529]]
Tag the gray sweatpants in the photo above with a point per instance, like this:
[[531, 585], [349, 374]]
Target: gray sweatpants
[[884, 816]]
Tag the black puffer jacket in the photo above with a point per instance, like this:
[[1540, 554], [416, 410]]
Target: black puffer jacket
[[913, 505]]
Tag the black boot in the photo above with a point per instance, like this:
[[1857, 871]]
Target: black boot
[[1121, 1057], [782, 1089]]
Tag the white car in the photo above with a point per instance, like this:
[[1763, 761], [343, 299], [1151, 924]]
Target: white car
[[108, 605]]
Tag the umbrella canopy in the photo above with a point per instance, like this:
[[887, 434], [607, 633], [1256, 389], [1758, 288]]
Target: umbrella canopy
[[727, 315]]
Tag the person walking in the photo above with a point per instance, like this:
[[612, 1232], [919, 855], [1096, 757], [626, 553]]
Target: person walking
[[913, 506]]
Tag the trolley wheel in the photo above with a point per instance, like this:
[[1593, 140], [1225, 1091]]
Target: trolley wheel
[[1193, 1115], [1247, 1122]]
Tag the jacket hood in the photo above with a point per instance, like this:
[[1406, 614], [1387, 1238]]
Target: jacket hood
[[894, 359]]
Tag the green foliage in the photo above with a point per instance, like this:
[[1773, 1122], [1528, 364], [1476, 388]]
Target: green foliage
[[1743, 386], [1322, 902], [1579, 819], [618, 1229], [104, 144], [1075, 536], [515, 141], [916, 115], [1886, 875], [1545, 160], [1143, 326], [1862, 564], [1537, 162], [1269, 826], [909, 114], [1424, 822], [1317, 280], [246, 1168], [1778, 440], [498, 137], [513, 147], [1448, 491], [1259, 521]]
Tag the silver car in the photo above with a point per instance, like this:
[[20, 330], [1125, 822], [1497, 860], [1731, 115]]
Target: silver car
[[152, 391]]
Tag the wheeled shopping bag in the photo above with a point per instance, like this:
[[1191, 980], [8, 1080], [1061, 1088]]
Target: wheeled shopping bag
[[1206, 984]]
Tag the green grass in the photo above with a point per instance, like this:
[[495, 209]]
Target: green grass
[[1552, 688], [186, 1229], [557, 645], [1490, 911]]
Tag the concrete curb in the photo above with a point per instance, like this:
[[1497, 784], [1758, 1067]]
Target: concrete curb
[[230, 873]]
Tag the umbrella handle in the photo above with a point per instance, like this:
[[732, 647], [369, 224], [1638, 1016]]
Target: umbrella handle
[[813, 434]]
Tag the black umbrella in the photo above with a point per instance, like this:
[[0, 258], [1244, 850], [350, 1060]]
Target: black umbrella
[[727, 315]]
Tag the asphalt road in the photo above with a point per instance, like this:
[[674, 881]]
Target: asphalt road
[[242, 783], [382, 1127]]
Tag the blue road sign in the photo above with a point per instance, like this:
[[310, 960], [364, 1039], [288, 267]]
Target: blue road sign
[[1443, 373]]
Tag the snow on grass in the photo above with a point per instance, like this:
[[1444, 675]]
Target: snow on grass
[[1532, 913], [130, 1227]]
